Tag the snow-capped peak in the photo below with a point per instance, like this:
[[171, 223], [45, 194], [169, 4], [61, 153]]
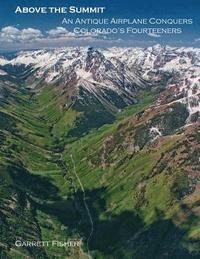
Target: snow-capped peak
[[121, 69]]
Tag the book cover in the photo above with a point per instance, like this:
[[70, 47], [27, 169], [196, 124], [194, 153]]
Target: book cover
[[99, 129]]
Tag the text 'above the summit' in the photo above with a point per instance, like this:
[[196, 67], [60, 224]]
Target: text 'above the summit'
[[59, 9]]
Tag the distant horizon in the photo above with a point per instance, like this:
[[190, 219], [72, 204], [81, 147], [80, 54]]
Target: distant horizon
[[13, 51]]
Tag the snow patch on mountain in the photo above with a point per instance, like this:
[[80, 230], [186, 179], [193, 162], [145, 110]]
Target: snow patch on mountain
[[2, 72], [86, 75], [155, 132]]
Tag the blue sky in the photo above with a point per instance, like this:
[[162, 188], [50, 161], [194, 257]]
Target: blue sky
[[20, 31]]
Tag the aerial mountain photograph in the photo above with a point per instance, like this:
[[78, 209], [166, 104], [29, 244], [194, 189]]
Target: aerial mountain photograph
[[100, 129]]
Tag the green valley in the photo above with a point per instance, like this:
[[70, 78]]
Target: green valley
[[107, 179]]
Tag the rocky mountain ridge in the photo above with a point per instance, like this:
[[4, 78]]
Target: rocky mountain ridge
[[118, 70]]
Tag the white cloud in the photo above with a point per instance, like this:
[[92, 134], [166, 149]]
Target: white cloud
[[11, 37], [11, 34], [30, 34], [60, 32], [154, 35]]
